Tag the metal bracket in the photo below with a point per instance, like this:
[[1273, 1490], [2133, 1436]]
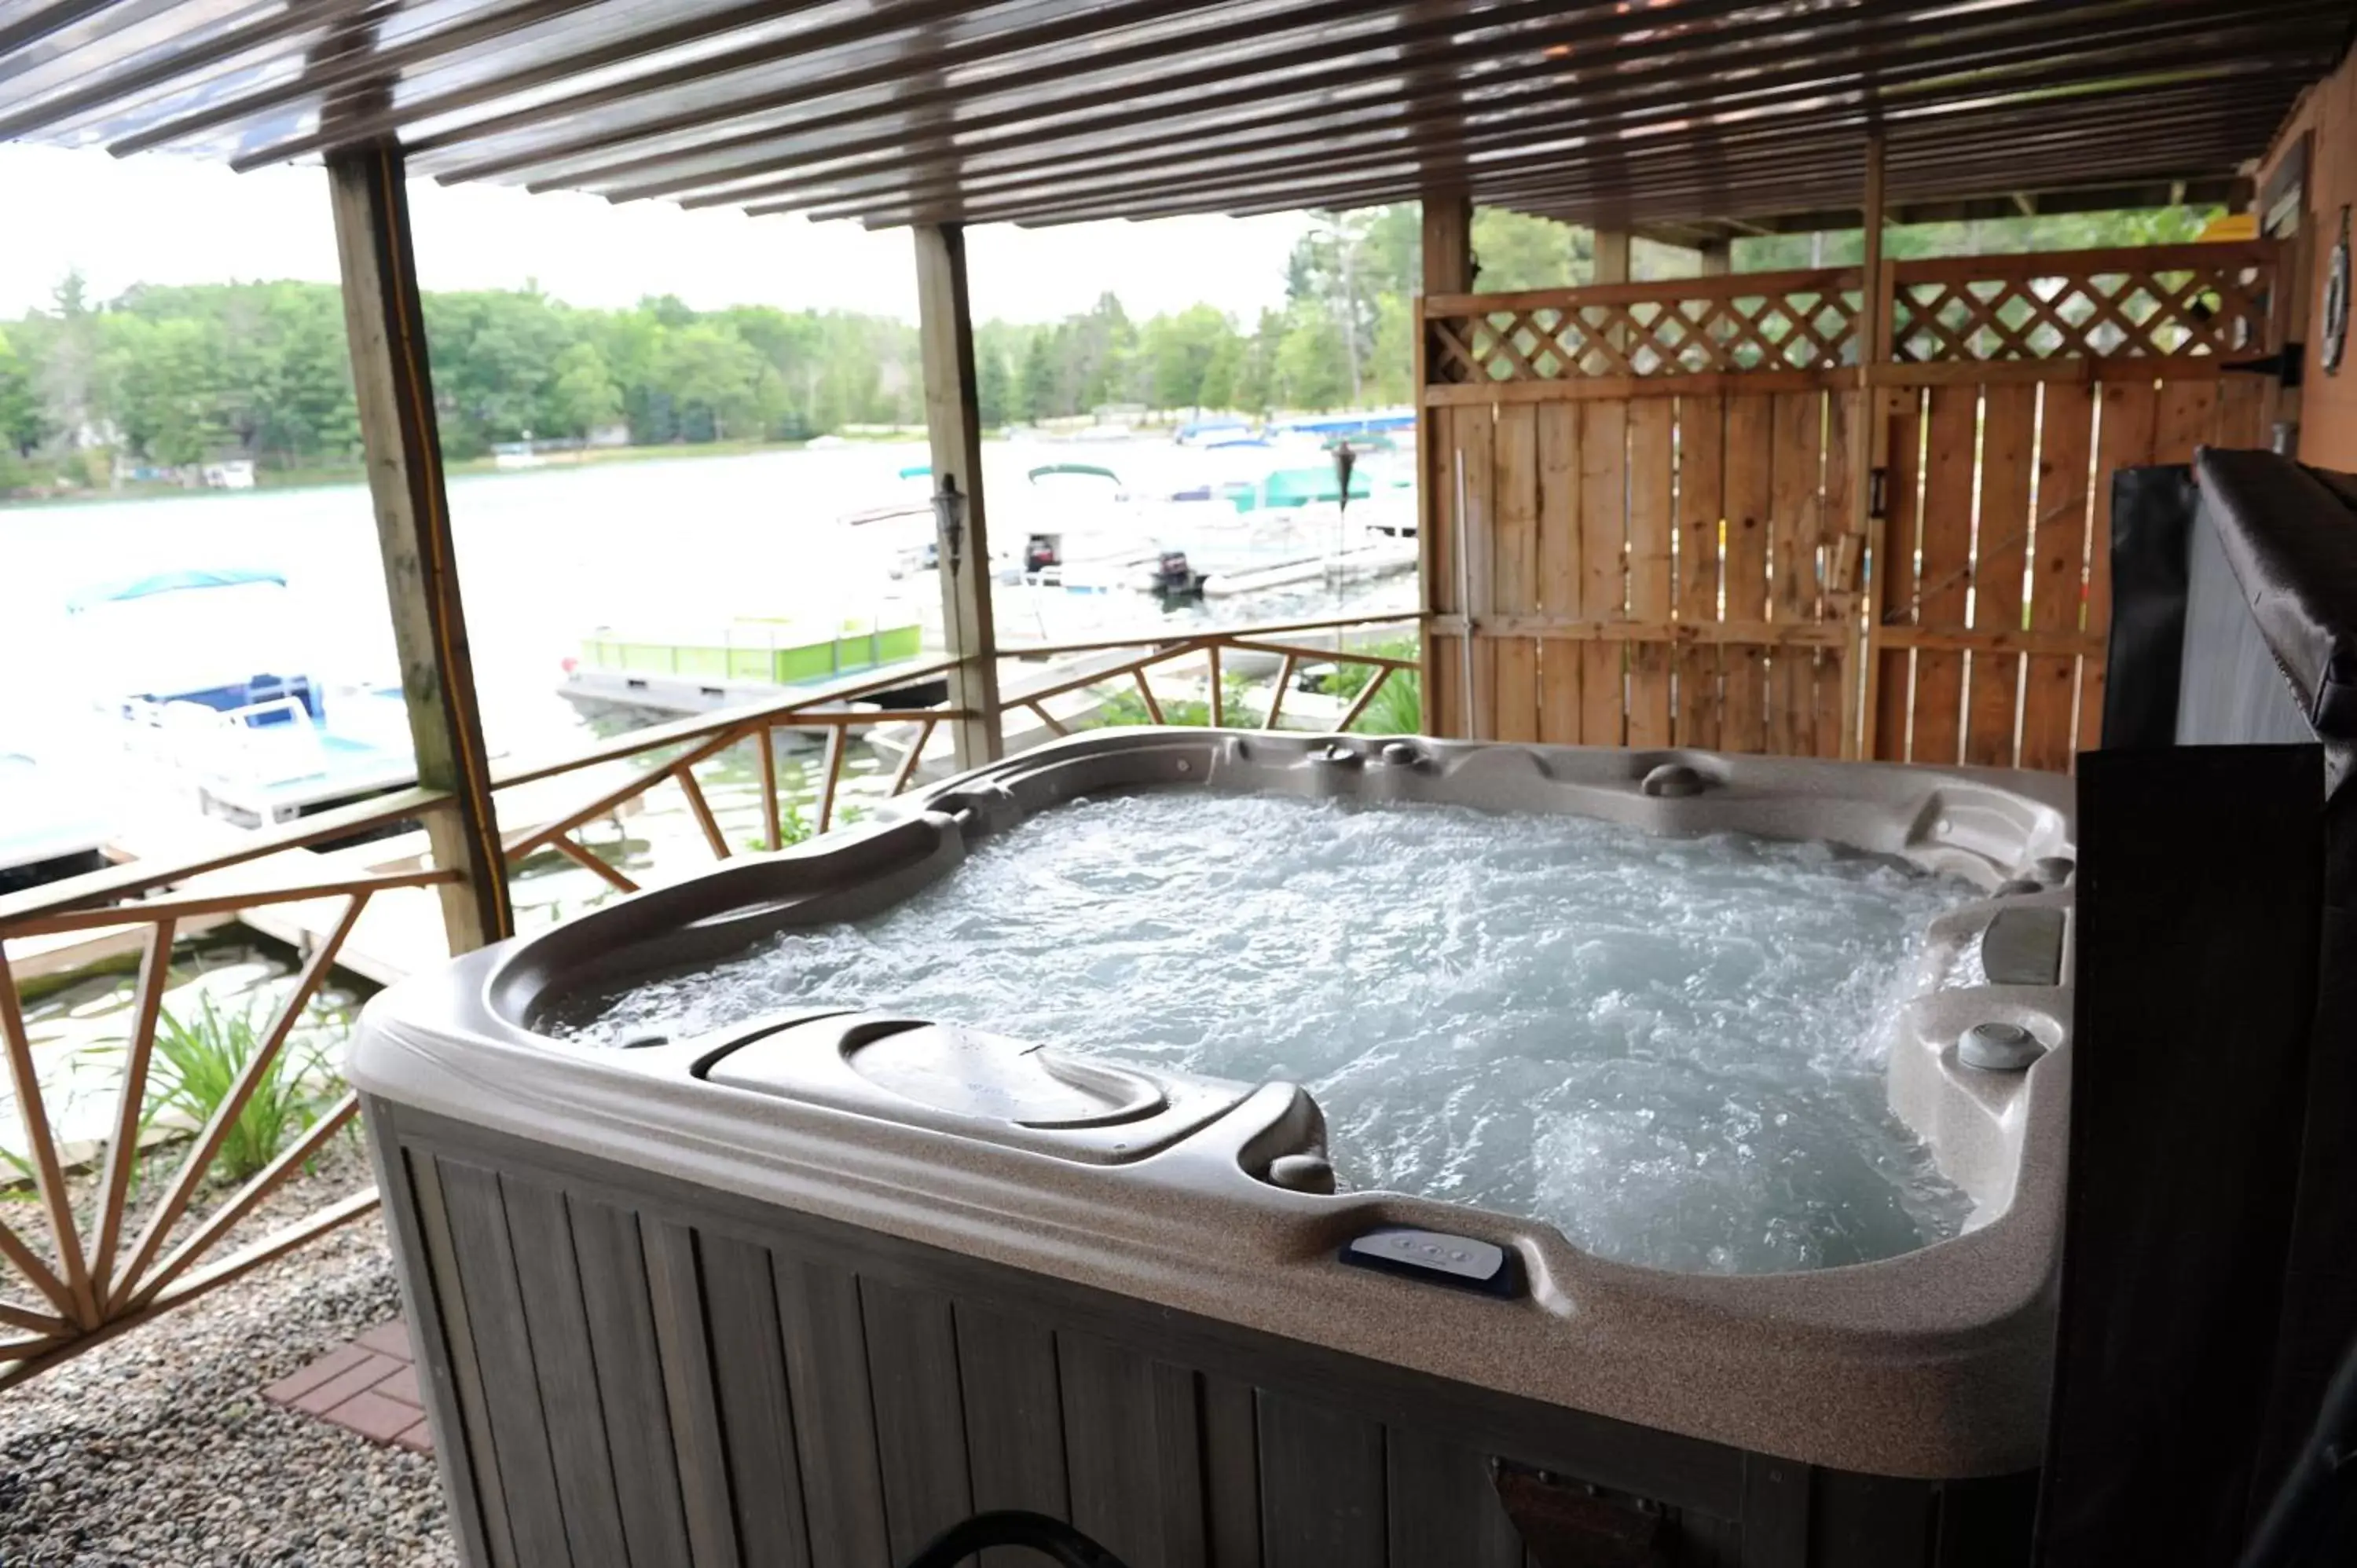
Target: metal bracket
[[2284, 364], [1570, 1524]]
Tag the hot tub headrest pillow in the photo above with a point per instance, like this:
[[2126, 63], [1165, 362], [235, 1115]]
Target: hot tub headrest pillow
[[2290, 534]]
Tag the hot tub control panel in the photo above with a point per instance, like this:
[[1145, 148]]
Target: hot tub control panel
[[1438, 1257]]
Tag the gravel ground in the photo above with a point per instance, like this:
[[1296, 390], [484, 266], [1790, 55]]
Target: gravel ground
[[157, 1449]]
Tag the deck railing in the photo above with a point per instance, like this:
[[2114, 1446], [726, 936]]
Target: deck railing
[[110, 1262]]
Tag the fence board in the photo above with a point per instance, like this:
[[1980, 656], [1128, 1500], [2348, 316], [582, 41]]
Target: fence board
[[1895, 577], [1631, 465], [1651, 532], [2050, 683], [1514, 486], [2000, 555], [1945, 569], [2242, 412], [1701, 500], [1470, 432], [1832, 668], [1797, 460], [1603, 591], [2184, 417], [1749, 473], [1559, 573]]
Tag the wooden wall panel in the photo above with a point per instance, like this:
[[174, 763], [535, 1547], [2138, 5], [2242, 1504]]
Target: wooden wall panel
[[1749, 473], [1513, 564], [1632, 546], [1944, 581], [1797, 470], [2000, 555], [1604, 584], [1893, 578], [1833, 667], [2066, 433], [1653, 526], [1559, 573], [1701, 513], [1471, 444]]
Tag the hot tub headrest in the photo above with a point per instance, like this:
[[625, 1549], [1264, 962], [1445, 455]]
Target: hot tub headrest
[[2290, 534]]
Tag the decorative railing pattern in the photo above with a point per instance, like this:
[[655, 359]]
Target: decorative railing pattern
[[2157, 303], [103, 1254], [1716, 325]]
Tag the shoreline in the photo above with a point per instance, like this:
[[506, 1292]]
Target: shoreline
[[468, 468]]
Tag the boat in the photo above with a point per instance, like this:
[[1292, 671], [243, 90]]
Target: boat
[[204, 681], [51, 826], [1215, 430], [748, 659], [260, 764]]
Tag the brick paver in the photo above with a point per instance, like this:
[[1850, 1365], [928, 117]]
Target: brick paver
[[369, 1387]]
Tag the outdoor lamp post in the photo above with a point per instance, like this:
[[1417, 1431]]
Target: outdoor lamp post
[[949, 521]]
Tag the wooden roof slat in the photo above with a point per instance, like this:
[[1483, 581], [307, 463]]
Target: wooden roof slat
[[882, 66], [1660, 94], [354, 66], [1549, 129], [1272, 122], [864, 28], [1666, 112], [1319, 64], [166, 64]]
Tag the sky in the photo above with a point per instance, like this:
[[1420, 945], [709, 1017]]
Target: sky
[[159, 219]]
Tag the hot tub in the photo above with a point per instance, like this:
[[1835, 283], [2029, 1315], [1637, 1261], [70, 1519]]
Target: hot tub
[[810, 1286]]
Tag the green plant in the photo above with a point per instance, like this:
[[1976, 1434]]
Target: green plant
[[1350, 680], [196, 1065], [1397, 709]]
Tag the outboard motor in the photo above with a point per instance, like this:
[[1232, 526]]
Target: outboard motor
[[1039, 553], [1174, 578]]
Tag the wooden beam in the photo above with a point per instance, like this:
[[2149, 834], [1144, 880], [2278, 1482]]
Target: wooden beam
[[1447, 269], [1717, 257], [384, 323], [1611, 253], [953, 423], [1448, 264]]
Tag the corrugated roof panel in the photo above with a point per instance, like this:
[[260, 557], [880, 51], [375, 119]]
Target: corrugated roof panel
[[898, 111]]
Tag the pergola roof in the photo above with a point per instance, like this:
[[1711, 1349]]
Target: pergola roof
[[1636, 112]]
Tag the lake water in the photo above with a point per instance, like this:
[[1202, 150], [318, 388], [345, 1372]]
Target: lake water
[[544, 554]]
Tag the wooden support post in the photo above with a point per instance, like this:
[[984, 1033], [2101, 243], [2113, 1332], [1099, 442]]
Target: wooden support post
[[953, 423], [1611, 249], [1447, 269], [1870, 454], [1718, 257], [395, 391]]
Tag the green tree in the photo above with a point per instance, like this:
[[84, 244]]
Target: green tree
[[1313, 363], [1515, 251], [1218, 389], [1040, 389], [993, 386], [715, 378], [1179, 351], [585, 396], [21, 424]]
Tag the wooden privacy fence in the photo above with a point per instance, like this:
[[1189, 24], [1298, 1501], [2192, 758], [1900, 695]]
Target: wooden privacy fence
[[1784, 512]]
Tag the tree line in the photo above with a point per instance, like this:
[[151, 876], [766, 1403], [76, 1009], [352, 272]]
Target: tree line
[[169, 377]]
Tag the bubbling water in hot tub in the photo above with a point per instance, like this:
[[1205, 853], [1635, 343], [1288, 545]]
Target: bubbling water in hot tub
[[1671, 1048]]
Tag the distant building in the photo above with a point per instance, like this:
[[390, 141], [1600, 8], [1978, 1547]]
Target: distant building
[[229, 474]]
